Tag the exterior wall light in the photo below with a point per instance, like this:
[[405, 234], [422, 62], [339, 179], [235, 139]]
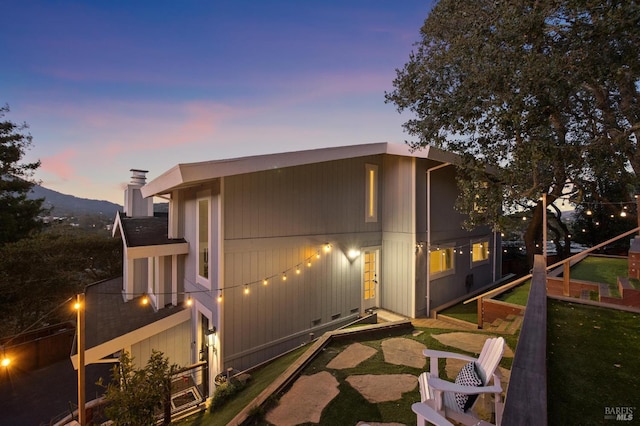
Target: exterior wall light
[[352, 254]]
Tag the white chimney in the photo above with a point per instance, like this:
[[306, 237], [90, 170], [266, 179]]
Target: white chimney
[[134, 204]]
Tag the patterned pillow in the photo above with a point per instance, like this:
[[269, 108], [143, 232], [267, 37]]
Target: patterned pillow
[[467, 377]]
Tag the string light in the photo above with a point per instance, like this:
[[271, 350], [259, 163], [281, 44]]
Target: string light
[[298, 270], [189, 301], [220, 296], [246, 289], [284, 276], [265, 281], [144, 300]]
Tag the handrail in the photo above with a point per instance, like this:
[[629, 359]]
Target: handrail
[[555, 265], [498, 289], [589, 250], [526, 400]]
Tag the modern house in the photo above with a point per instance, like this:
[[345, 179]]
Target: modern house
[[259, 254]]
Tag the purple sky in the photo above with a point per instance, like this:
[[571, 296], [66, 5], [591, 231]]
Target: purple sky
[[107, 86]]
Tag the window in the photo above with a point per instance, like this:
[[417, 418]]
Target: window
[[202, 229], [371, 193], [480, 251], [370, 275], [441, 260]]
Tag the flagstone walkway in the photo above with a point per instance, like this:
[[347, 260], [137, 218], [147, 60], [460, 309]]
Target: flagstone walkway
[[309, 395]]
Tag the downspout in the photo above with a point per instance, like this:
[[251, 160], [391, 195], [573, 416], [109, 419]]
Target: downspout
[[429, 231]]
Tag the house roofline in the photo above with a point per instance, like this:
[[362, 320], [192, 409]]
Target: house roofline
[[191, 174]]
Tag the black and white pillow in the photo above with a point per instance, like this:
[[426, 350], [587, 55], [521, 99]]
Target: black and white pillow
[[467, 377]]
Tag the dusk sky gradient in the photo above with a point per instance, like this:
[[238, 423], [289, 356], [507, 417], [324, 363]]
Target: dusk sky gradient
[[107, 86]]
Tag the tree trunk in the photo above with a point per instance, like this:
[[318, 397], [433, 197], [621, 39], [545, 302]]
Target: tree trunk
[[533, 234]]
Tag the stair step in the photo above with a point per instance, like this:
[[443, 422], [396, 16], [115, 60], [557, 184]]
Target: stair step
[[604, 290], [511, 317], [504, 326], [497, 322], [516, 324]]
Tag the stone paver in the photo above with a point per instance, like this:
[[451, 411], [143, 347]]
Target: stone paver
[[304, 402], [469, 342], [353, 355], [383, 387], [402, 351]]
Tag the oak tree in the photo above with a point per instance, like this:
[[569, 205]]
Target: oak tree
[[537, 98]]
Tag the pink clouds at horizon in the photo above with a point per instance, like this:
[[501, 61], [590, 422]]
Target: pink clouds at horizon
[[59, 164]]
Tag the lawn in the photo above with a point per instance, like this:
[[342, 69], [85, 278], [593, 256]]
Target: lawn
[[468, 312], [517, 295], [349, 407], [601, 270], [592, 362], [260, 379]]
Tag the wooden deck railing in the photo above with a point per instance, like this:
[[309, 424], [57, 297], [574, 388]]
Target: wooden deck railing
[[526, 400]]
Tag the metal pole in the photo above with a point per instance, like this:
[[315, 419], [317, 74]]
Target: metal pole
[[81, 370]]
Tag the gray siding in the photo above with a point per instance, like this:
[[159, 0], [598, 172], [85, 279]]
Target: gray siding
[[316, 199], [447, 228], [174, 343], [274, 220], [398, 223]]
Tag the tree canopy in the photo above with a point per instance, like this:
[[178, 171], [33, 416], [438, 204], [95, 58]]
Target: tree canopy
[[543, 94], [18, 214]]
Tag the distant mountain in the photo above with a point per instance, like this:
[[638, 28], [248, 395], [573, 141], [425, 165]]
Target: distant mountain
[[68, 205]]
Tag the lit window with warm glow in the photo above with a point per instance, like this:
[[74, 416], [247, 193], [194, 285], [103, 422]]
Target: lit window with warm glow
[[480, 251], [371, 193], [441, 260]]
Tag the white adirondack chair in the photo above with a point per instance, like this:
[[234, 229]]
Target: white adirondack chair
[[440, 395]]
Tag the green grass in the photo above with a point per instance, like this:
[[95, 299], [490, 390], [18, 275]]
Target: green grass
[[592, 362], [601, 270], [468, 312], [349, 407], [260, 379], [517, 295]]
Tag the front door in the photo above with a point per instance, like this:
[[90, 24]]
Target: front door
[[370, 280]]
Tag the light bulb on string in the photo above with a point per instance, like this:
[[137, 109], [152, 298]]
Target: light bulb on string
[[220, 296], [246, 289]]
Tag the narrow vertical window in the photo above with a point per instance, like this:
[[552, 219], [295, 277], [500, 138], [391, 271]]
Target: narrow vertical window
[[371, 193], [203, 238]]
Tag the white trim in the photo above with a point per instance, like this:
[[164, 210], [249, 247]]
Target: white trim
[[95, 354], [143, 252], [203, 196], [190, 174]]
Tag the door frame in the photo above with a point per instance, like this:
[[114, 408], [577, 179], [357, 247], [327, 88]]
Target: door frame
[[373, 302]]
